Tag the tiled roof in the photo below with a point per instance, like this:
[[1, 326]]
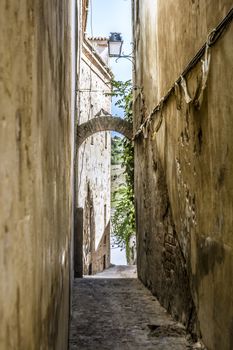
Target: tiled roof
[[99, 38]]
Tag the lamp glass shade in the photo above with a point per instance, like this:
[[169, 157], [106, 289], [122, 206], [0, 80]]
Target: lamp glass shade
[[115, 45]]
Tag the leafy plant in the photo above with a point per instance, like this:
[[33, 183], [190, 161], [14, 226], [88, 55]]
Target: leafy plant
[[116, 150], [123, 220]]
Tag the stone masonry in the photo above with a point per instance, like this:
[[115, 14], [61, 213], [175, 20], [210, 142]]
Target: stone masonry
[[103, 123]]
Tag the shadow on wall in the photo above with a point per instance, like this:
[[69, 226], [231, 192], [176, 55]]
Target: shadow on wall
[[87, 259]]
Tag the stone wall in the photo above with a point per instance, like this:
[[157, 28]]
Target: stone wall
[[94, 159], [36, 143], [101, 256], [103, 123], [183, 173]]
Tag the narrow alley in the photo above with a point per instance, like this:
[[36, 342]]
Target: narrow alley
[[113, 310], [116, 187]]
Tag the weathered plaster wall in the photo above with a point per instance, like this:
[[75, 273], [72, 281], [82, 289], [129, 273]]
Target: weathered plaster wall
[[183, 176], [94, 159], [36, 141]]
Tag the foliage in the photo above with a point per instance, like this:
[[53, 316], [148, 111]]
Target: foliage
[[123, 220], [116, 150], [123, 92]]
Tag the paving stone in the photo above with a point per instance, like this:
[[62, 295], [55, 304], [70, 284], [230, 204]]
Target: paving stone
[[120, 313]]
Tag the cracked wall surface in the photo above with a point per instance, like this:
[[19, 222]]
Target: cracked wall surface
[[36, 142], [183, 181]]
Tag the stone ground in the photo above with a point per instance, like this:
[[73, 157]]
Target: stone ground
[[114, 311]]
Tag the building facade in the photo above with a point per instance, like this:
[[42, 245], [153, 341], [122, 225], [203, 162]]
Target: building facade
[[94, 156]]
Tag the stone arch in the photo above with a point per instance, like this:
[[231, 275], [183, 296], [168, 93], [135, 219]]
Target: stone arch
[[103, 123]]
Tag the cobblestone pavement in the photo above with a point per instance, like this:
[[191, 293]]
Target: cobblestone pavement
[[118, 271], [120, 313]]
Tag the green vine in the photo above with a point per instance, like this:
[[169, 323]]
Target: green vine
[[123, 221]]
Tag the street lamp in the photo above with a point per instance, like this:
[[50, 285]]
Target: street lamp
[[115, 43]]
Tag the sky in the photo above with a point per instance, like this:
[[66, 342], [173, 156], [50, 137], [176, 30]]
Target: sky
[[107, 16]]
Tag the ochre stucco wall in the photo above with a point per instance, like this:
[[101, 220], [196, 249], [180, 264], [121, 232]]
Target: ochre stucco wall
[[36, 140], [183, 177]]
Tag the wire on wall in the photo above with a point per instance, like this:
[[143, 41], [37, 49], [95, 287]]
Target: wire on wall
[[212, 38]]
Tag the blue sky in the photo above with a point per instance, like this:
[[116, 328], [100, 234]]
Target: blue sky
[[113, 16], [107, 16]]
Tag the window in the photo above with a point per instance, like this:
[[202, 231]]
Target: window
[[106, 140], [104, 262], [105, 214]]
